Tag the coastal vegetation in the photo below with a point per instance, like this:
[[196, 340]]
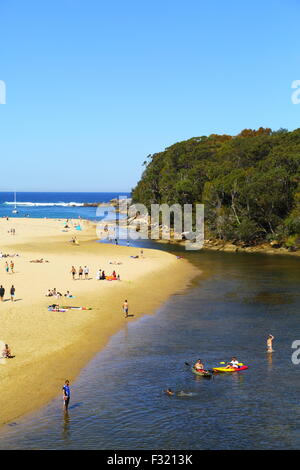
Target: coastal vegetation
[[249, 184]]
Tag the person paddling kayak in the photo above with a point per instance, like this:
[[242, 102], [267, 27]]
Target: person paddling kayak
[[199, 366], [234, 363]]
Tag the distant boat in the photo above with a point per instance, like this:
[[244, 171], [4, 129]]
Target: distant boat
[[15, 211]]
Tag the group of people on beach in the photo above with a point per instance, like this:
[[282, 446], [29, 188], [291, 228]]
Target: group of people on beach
[[7, 255], [12, 293], [9, 267], [101, 276], [81, 272], [55, 293]]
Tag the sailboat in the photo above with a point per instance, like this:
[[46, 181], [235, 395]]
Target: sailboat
[[15, 211]]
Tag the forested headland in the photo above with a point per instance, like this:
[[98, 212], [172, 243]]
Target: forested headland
[[249, 184]]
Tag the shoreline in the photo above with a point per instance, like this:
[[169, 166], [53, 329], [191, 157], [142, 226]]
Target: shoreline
[[216, 245], [263, 248], [53, 346]]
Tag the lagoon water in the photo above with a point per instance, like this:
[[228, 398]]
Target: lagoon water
[[117, 400]]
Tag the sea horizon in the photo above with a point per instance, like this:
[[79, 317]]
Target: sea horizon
[[55, 204]]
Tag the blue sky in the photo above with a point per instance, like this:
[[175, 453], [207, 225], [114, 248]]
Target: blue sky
[[93, 87]]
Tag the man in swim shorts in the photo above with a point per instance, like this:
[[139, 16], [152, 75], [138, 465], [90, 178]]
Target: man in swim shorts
[[125, 308]]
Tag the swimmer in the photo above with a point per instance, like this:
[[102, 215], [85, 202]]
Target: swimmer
[[270, 343], [182, 393], [185, 394]]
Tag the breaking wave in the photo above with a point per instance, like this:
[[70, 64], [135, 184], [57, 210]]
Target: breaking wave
[[46, 204]]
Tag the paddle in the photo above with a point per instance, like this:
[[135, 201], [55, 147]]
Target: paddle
[[240, 363]]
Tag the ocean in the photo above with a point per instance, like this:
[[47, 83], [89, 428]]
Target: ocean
[[55, 204]]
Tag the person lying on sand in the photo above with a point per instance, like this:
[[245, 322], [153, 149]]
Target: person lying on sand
[[42, 260], [7, 352]]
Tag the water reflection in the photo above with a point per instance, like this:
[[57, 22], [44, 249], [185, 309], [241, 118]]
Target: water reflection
[[270, 361], [66, 431]]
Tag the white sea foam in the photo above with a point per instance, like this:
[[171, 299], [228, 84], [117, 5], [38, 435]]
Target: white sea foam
[[46, 204]]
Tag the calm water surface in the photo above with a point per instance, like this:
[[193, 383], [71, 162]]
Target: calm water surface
[[117, 401]]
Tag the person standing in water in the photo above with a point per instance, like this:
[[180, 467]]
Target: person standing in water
[[66, 394], [270, 343]]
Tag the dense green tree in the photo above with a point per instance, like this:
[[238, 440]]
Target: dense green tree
[[249, 183]]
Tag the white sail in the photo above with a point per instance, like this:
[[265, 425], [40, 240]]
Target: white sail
[[15, 202]]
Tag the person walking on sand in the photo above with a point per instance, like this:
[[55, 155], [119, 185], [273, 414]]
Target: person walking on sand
[[125, 308], [6, 267], [66, 395], [2, 292], [270, 343], [86, 272], [12, 293], [12, 265], [73, 272], [80, 272]]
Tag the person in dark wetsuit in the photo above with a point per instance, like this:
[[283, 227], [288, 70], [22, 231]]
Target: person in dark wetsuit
[[66, 394]]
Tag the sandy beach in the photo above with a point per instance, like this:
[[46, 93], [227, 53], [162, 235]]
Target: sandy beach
[[52, 346]]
